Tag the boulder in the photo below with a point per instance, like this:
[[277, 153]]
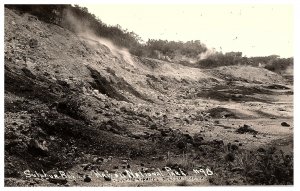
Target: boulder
[[87, 179], [285, 124], [246, 129], [107, 178], [33, 43]]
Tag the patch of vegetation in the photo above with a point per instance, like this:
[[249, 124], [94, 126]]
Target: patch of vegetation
[[271, 167], [273, 62], [160, 49], [171, 49], [262, 167], [86, 21]]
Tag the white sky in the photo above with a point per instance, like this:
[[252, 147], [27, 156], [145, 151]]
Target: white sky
[[255, 30]]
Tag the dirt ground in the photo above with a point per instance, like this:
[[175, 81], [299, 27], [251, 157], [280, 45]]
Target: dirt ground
[[73, 104]]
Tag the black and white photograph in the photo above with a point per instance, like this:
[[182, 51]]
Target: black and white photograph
[[148, 95]]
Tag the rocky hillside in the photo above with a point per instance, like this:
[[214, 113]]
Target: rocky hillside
[[72, 98]]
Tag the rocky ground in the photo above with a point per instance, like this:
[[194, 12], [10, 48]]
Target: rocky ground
[[73, 104]]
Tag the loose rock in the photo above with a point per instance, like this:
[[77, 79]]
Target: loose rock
[[107, 178], [285, 124], [87, 179], [246, 129]]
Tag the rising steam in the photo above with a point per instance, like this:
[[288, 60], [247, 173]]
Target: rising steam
[[83, 30], [206, 54]]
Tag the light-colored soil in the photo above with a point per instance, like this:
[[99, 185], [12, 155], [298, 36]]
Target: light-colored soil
[[124, 105]]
